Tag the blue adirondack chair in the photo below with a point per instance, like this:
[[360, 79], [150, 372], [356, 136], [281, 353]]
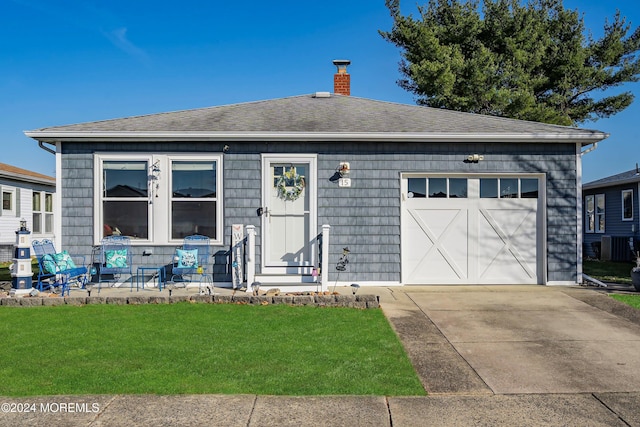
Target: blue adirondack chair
[[58, 269]]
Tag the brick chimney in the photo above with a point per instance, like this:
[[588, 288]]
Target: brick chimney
[[342, 79]]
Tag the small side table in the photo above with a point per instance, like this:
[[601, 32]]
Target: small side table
[[158, 272]]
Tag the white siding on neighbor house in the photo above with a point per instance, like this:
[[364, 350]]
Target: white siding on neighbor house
[[10, 223]]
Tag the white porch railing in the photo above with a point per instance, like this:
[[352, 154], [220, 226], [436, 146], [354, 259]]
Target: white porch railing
[[251, 256], [323, 257]]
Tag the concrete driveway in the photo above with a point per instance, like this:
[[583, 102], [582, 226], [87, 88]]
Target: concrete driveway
[[515, 339]]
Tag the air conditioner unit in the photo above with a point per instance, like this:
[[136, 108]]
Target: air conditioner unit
[[605, 250]]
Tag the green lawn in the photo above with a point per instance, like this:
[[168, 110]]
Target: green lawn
[[201, 348], [609, 271], [5, 274], [632, 300]]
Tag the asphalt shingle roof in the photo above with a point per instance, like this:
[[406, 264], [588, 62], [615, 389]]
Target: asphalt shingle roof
[[622, 178], [14, 172], [334, 114]]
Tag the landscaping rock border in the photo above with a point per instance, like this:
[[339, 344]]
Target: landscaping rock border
[[351, 301]]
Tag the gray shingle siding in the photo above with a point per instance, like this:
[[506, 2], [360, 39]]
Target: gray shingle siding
[[364, 217]]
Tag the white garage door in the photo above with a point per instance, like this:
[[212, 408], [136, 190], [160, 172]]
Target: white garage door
[[472, 229]]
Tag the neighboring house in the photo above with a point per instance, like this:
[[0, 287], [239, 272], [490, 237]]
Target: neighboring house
[[432, 196], [610, 209], [25, 195]]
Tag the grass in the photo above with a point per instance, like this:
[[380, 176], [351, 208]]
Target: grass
[[201, 348], [632, 300], [609, 271], [5, 274]]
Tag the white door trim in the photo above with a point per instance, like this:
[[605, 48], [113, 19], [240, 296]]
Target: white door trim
[[311, 188]]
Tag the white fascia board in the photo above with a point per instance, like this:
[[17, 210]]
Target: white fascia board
[[586, 137]]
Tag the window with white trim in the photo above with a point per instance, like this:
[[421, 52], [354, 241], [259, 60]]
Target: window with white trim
[[627, 205], [594, 213], [193, 198], [159, 198], [42, 212], [8, 201], [36, 208], [48, 213]]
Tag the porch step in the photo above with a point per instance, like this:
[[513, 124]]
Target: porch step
[[306, 279], [286, 287]]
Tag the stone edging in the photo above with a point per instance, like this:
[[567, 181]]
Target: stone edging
[[352, 301]]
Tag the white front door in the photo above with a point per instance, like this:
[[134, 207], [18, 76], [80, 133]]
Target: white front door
[[472, 229], [289, 214]]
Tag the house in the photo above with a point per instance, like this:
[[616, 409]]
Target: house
[[611, 216], [25, 195], [418, 195]]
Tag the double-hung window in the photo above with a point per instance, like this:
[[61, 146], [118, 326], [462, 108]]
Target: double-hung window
[[193, 198], [48, 213], [594, 213], [36, 207], [159, 198], [42, 208], [8, 201], [125, 198]]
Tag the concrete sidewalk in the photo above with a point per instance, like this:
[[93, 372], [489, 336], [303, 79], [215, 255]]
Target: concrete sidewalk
[[487, 355]]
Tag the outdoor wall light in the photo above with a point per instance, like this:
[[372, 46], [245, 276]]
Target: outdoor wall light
[[475, 158], [344, 168]]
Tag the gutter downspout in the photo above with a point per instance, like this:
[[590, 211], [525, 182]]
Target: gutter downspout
[[57, 221], [590, 149], [41, 145]]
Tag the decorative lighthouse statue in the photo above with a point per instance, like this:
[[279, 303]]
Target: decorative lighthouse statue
[[21, 274]]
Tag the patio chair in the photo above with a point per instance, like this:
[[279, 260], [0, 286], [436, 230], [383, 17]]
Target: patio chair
[[191, 261], [115, 259], [58, 269]]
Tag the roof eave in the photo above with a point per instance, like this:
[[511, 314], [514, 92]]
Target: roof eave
[[626, 181], [27, 178], [584, 137]]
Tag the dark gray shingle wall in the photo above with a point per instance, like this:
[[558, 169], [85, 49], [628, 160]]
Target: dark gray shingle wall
[[365, 217]]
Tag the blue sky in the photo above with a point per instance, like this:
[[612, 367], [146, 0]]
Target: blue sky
[[72, 61]]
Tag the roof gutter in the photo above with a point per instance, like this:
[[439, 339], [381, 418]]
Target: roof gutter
[[590, 149], [51, 137], [41, 145]]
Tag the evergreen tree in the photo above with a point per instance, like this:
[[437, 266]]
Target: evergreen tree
[[531, 61]]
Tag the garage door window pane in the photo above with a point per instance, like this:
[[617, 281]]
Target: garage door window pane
[[489, 188], [509, 188], [458, 188], [417, 187], [437, 187], [529, 188]]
